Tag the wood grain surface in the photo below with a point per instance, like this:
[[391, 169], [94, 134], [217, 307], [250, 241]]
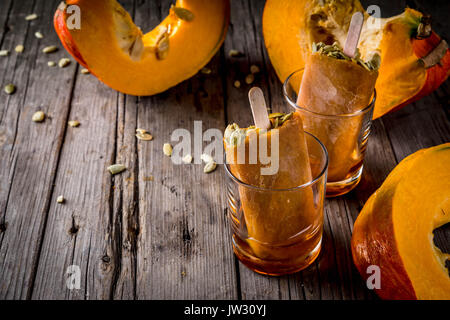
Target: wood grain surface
[[159, 230]]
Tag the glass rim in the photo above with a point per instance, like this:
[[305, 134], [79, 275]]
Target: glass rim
[[347, 115], [302, 186]]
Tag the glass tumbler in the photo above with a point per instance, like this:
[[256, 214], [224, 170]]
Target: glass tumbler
[[344, 135], [279, 231]]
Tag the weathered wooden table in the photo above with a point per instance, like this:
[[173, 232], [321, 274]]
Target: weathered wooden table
[[158, 230]]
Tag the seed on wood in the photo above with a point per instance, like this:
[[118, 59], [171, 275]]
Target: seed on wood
[[85, 71], [187, 158], [143, 134], [51, 63], [60, 199], [249, 78], [38, 35], [64, 62], [32, 16], [38, 116], [237, 84], [235, 53], [50, 49], [116, 168], [167, 149], [10, 88], [254, 69], [19, 48], [206, 70], [74, 123], [210, 167], [4, 53]]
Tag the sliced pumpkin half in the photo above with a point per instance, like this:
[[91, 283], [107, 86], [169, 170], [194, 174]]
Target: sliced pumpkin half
[[116, 51], [394, 231]]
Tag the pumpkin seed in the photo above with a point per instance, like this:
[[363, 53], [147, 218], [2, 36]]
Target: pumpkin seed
[[85, 71], [10, 88], [206, 158], [32, 16], [275, 115], [276, 123], [187, 158], [250, 78], [142, 134], [210, 167], [60, 199], [51, 63], [167, 149], [19, 48], [235, 53], [38, 35], [237, 84], [38, 116], [74, 123], [162, 46], [286, 117], [50, 49], [254, 69], [116, 168], [64, 62], [206, 70], [4, 53], [183, 14]]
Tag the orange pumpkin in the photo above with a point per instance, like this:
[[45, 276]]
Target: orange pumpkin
[[394, 229], [116, 51], [414, 60]]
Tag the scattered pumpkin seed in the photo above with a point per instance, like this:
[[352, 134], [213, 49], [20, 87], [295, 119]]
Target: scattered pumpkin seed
[[4, 53], [237, 84], [85, 71], [250, 78], [51, 63], [206, 70], [38, 35], [19, 48], [206, 158], [60, 199], [187, 158], [235, 53], [143, 134], [210, 167], [167, 149], [254, 69], [10, 88], [50, 49], [74, 123], [183, 14], [38, 116], [64, 62], [32, 16], [116, 168]]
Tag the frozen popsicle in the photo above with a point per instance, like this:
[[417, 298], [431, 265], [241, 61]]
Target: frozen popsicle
[[335, 84], [275, 220]]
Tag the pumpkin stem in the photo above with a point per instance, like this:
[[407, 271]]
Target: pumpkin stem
[[435, 55], [424, 28]]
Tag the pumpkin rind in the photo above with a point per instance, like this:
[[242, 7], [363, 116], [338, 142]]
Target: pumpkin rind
[[394, 229]]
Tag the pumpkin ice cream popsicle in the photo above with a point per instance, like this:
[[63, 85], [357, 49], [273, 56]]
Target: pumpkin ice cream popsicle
[[278, 223], [335, 90]]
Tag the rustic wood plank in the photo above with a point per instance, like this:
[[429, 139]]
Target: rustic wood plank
[[30, 151], [81, 231], [184, 243]]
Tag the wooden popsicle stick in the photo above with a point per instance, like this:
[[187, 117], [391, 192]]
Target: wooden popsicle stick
[[259, 108], [354, 31]]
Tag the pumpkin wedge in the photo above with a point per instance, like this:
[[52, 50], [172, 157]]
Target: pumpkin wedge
[[116, 51], [414, 60], [394, 229]]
